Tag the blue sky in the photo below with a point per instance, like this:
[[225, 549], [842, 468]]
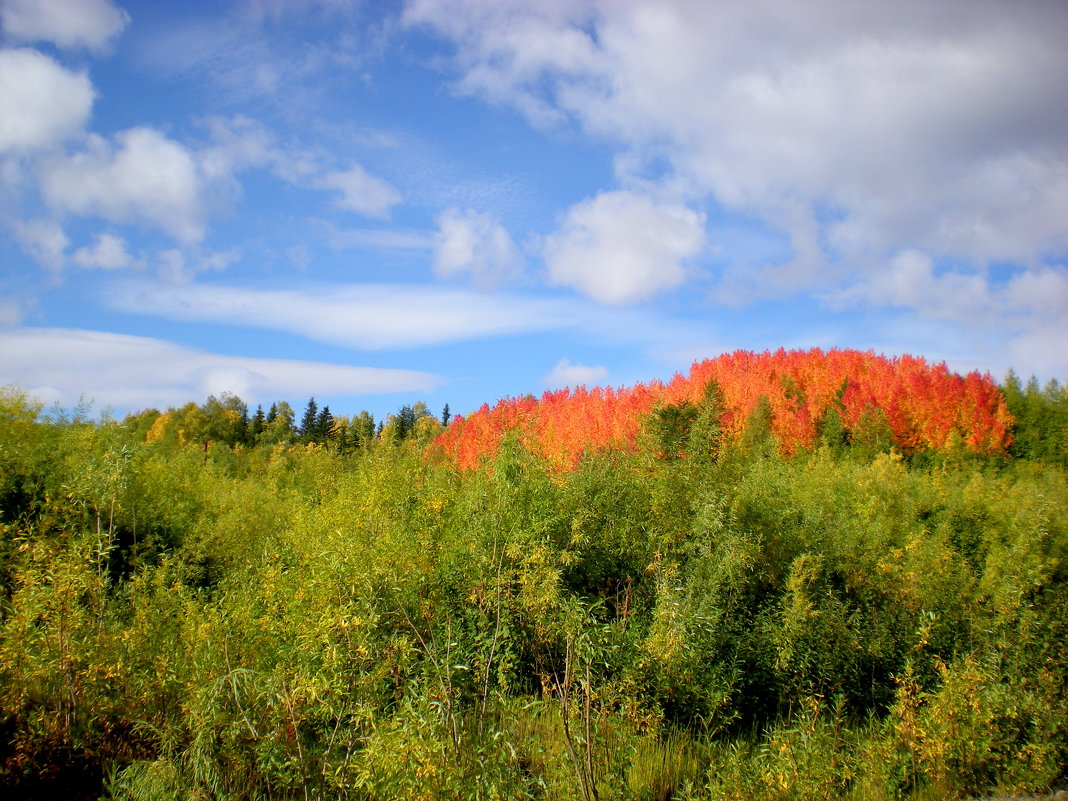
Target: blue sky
[[456, 201]]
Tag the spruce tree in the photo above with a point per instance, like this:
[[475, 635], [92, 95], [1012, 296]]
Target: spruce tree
[[310, 420], [256, 425], [324, 425]]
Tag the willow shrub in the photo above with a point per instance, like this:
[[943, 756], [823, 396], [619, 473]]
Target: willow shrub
[[291, 622]]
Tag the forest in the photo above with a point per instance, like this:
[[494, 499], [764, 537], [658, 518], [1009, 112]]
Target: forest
[[791, 575]]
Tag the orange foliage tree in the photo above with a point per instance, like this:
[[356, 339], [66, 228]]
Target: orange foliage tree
[[924, 406]]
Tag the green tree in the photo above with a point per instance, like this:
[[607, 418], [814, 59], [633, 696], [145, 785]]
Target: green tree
[[706, 433], [1041, 415], [324, 425], [225, 419], [362, 430], [670, 426], [279, 428], [758, 438], [256, 425], [831, 429], [309, 422], [871, 435]]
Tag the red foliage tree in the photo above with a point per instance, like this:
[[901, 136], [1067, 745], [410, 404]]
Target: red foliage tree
[[924, 406]]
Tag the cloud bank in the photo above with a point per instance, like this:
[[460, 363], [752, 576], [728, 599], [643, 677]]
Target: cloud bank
[[857, 130]]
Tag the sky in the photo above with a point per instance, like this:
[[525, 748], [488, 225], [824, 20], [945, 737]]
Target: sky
[[458, 201]]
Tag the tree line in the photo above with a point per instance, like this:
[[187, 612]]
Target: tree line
[[225, 421]]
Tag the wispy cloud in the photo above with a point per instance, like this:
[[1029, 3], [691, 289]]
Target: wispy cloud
[[127, 372], [43, 240], [361, 192], [364, 316]]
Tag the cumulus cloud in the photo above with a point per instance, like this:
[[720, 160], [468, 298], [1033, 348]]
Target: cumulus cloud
[[361, 192], [41, 102], [566, 374], [129, 372], [44, 240], [108, 252], [88, 24], [476, 244], [621, 247], [143, 177], [365, 316], [856, 130]]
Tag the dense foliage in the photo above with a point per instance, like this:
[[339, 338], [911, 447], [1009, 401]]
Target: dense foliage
[[694, 611], [808, 396]]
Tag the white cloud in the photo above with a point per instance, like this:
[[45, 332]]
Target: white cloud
[[1024, 313], [911, 280], [361, 192], [108, 252], [180, 267], [129, 372], [855, 129], [44, 240], [237, 143], [621, 247], [566, 374], [364, 316], [145, 177], [477, 244], [89, 24], [41, 102]]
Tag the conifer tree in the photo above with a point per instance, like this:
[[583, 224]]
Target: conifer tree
[[324, 425], [256, 425], [310, 420]]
